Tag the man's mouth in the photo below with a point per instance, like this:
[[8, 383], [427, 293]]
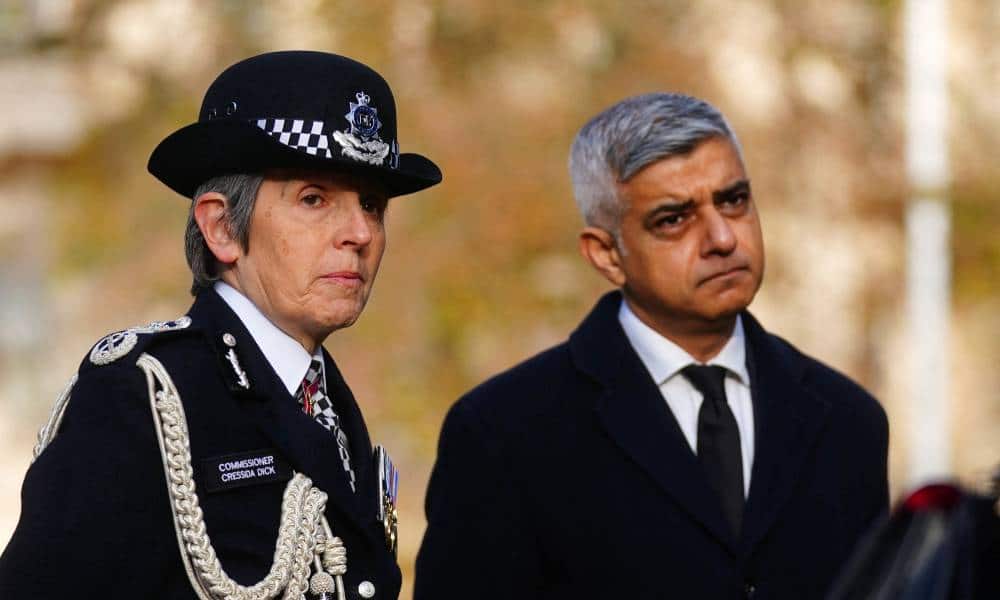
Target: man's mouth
[[722, 274]]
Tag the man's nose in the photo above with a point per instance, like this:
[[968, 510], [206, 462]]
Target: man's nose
[[719, 237]]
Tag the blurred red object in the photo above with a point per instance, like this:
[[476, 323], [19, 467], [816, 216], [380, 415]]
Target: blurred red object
[[935, 496], [941, 543]]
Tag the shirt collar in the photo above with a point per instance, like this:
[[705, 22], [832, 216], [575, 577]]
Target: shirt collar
[[285, 355], [664, 359]]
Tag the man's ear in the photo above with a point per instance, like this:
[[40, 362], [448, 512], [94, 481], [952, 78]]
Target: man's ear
[[210, 214], [599, 248]]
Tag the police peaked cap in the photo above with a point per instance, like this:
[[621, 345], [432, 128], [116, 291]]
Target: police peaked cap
[[293, 109]]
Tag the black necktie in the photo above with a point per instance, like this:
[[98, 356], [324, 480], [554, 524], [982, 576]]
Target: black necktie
[[719, 441]]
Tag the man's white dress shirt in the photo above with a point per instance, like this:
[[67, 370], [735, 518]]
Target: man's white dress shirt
[[664, 361]]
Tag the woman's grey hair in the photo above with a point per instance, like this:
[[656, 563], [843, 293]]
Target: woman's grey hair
[[619, 142], [240, 191]]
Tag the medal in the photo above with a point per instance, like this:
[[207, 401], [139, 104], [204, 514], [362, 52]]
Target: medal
[[388, 491]]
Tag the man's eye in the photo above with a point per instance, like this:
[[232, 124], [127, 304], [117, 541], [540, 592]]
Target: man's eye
[[737, 199], [671, 220], [734, 202]]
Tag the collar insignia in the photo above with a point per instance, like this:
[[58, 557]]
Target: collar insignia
[[241, 376]]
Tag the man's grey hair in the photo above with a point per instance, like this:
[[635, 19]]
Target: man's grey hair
[[619, 142], [240, 191]]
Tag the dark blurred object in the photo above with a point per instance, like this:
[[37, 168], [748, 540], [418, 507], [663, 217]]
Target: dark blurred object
[[941, 543]]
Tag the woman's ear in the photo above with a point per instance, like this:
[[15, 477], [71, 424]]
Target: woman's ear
[[210, 214]]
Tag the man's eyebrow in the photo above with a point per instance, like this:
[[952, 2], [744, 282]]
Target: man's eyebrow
[[740, 187]]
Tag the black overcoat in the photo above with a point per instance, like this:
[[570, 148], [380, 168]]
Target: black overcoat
[[567, 477], [95, 517]]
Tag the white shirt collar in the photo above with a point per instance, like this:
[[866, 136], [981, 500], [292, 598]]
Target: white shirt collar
[[285, 355], [664, 359]]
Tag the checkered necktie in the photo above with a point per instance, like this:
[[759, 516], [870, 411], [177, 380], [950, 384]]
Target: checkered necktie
[[315, 403]]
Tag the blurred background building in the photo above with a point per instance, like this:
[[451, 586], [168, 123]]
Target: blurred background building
[[482, 271]]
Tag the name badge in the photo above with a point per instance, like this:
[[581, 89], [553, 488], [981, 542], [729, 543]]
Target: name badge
[[223, 473]]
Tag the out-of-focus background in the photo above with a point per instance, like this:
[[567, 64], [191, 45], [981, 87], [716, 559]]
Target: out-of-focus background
[[482, 271]]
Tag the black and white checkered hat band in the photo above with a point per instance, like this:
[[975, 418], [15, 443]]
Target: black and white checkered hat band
[[303, 135], [309, 137]]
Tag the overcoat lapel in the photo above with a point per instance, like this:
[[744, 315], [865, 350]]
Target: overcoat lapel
[[635, 416], [310, 448], [788, 420]]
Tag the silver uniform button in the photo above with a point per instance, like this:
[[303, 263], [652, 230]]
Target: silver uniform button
[[366, 589], [229, 340]]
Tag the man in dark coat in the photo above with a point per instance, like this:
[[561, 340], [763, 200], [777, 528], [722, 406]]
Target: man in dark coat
[[222, 455], [671, 448]]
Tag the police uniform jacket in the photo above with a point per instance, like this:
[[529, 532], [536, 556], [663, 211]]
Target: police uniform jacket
[[96, 520], [567, 477]]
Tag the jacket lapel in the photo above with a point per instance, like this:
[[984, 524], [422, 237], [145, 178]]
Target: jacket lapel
[[310, 448], [632, 411], [788, 418], [357, 435]]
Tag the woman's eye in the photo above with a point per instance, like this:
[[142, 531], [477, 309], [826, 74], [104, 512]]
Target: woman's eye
[[312, 200], [372, 204]]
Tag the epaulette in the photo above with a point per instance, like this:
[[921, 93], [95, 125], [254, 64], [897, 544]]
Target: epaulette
[[107, 350], [121, 343]]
